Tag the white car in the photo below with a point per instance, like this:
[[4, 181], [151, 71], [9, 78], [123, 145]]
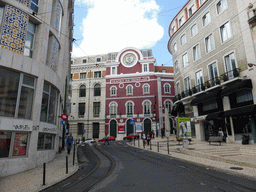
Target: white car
[[89, 140]]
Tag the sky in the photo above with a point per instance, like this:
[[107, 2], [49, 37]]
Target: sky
[[104, 26]]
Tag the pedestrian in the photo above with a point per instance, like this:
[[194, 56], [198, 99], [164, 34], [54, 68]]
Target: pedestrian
[[148, 138], [220, 133], [152, 134], [69, 141], [143, 136], [106, 139]]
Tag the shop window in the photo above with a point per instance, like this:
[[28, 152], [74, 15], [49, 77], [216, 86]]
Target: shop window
[[96, 109], [49, 104], [15, 93], [13, 144], [45, 141]]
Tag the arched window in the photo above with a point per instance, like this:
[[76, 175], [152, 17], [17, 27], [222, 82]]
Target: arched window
[[168, 106], [146, 107], [167, 88], [146, 89], [113, 108], [113, 91], [129, 108], [97, 90], [82, 91], [129, 90]]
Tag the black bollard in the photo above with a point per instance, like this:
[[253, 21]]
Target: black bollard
[[139, 142], [44, 174], [168, 146], [157, 146], [144, 143], [133, 141], [74, 154], [66, 164], [150, 145]]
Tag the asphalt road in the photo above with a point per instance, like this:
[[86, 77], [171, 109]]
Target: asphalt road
[[140, 170]]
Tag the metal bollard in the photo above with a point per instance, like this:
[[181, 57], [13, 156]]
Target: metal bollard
[[44, 174], [157, 146], [74, 154], [144, 143], [66, 164], [168, 145], [134, 141], [139, 142], [150, 145]]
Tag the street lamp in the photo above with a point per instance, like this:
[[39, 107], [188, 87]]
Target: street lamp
[[251, 64]]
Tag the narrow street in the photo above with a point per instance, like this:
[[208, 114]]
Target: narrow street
[[140, 170]]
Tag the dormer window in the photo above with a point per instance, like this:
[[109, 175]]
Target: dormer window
[[84, 60], [98, 59]]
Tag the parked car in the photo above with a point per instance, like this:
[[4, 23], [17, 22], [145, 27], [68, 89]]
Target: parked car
[[132, 136], [111, 138], [89, 140]]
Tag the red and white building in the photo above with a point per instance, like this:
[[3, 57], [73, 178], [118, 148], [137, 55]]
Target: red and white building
[[138, 94]]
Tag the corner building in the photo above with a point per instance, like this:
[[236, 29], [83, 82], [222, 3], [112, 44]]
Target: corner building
[[35, 46], [213, 48], [138, 92]]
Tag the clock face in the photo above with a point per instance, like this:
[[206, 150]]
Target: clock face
[[129, 59]]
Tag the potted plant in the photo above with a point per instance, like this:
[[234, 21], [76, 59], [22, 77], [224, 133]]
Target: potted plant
[[235, 72], [179, 97], [183, 94], [217, 80], [194, 90], [208, 84], [202, 86], [190, 92], [225, 77]]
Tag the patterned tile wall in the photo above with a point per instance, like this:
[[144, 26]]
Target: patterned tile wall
[[14, 29], [53, 61], [24, 2], [58, 16]]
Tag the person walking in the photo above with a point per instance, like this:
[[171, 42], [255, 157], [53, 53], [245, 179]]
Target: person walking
[[69, 141], [106, 139], [148, 138], [143, 136]]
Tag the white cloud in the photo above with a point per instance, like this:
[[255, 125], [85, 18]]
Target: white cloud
[[112, 25]]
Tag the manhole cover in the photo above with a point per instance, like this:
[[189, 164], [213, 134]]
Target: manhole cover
[[236, 168]]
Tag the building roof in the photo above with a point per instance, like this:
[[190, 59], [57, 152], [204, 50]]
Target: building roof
[[160, 69]]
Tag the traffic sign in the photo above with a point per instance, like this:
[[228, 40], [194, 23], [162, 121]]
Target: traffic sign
[[132, 122], [64, 116], [63, 122]]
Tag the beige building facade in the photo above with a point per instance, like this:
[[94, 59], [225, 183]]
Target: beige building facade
[[212, 43]]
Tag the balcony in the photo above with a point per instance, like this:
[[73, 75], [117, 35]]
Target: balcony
[[211, 84], [252, 18]]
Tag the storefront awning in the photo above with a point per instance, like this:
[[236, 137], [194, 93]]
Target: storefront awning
[[206, 96], [235, 86], [240, 110], [214, 115]]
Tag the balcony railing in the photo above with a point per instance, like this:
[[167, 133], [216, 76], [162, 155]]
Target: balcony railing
[[208, 84]]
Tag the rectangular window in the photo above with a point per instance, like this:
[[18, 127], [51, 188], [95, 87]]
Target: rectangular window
[[98, 60], [176, 67], [225, 32], [196, 52], [80, 129], [45, 141], [199, 79], [34, 5], [16, 94], [211, 105], [173, 29], [112, 56], [191, 10], [230, 64], [178, 88], [194, 30], [81, 110], [145, 67], [186, 84], [185, 60], [206, 19], [113, 70], [244, 96], [221, 6], [181, 21], [213, 73], [30, 38], [84, 60], [82, 75], [183, 39], [209, 43], [49, 104], [97, 74], [96, 109]]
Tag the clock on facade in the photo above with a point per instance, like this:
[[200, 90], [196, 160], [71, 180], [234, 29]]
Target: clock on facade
[[129, 60]]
